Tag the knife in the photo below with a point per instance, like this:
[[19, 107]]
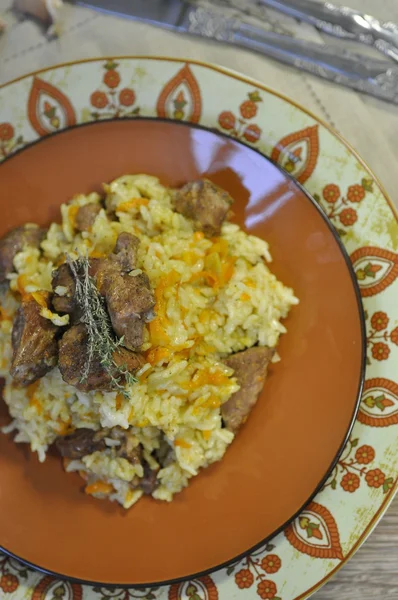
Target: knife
[[372, 76], [342, 22]]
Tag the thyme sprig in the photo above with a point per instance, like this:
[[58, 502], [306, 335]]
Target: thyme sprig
[[102, 342]]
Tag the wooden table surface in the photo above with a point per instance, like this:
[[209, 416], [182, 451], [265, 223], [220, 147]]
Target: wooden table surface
[[370, 125], [372, 573]]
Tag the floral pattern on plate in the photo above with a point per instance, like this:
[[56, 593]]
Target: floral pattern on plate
[[360, 488]]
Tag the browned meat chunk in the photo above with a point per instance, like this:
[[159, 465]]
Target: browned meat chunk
[[80, 443], [205, 203], [130, 302], [165, 454], [131, 361], [129, 298], [34, 344], [73, 357], [64, 287], [15, 241], [122, 260], [250, 370], [86, 216], [149, 482], [125, 252], [128, 448]]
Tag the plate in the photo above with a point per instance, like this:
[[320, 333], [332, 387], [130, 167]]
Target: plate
[[324, 345], [363, 481]]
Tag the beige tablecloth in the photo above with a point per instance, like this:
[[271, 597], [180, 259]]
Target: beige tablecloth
[[371, 126]]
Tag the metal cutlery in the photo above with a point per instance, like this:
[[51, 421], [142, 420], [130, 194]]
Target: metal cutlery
[[343, 22], [372, 76]]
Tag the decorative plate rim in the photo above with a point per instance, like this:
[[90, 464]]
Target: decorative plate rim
[[376, 510], [227, 71]]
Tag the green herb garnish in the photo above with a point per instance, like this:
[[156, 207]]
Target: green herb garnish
[[102, 342]]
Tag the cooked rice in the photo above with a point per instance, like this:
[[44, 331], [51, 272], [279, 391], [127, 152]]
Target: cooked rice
[[199, 322]]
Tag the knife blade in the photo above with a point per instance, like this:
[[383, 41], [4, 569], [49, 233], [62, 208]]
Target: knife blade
[[342, 22], [372, 76]]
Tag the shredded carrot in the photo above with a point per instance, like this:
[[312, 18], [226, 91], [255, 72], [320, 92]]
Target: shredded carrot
[[206, 434], [96, 254], [244, 297], [154, 355], [184, 354], [157, 332], [190, 258], [119, 401], [3, 315], [129, 495], [182, 443], [41, 298], [144, 376], [64, 427], [157, 329], [165, 282], [204, 348], [205, 377], [22, 282], [219, 270], [31, 389], [72, 213], [36, 404], [211, 279], [170, 279], [221, 246], [61, 260], [228, 269], [132, 203], [99, 487], [211, 402], [249, 282], [205, 315]]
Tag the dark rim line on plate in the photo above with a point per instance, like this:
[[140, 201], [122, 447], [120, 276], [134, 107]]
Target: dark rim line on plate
[[323, 480]]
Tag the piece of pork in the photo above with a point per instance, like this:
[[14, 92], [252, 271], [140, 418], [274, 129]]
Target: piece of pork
[[128, 449], [129, 299], [64, 287], [130, 361], [165, 454], [205, 203], [81, 442], [250, 370], [130, 302], [85, 441], [34, 344], [73, 358], [123, 259], [86, 216], [13, 242], [125, 252], [149, 482]]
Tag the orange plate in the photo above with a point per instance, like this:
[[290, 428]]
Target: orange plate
[[293, 435]]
